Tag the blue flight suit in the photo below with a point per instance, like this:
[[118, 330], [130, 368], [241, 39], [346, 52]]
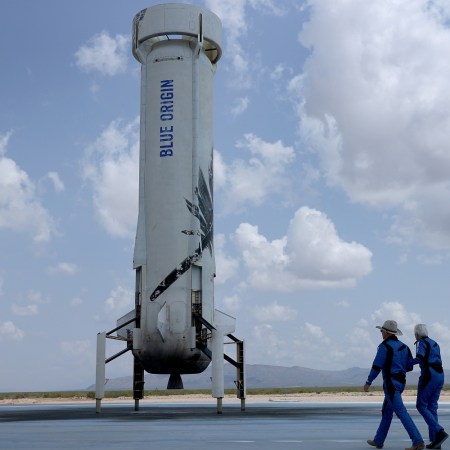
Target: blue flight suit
[[431, 381], [394, 359]]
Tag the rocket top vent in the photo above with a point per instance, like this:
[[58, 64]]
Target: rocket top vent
[[177, 21]]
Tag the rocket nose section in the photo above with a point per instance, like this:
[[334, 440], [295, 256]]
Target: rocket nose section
[[179, 20]]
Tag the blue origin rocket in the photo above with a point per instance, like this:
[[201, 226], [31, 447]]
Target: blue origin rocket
[[175, 328]]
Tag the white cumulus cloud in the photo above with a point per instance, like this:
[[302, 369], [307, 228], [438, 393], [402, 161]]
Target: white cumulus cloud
[[58, 185], [232, 303], [233, 15], [111, 165], [397, 311], [226, 265], [250, 181], [240, 106], [21, 209], [104, 54], [28, 310], [9, 332], [374, 104], [63, 268], [311, 255], [274, 312], [120, 301]]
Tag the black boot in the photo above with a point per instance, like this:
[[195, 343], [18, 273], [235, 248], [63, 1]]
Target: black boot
[[373, 443], [440, 437]]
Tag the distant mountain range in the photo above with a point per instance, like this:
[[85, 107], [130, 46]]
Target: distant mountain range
[[264, 376]]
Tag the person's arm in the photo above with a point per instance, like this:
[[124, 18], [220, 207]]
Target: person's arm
[[377, 365], [410, 361], [420, 353]]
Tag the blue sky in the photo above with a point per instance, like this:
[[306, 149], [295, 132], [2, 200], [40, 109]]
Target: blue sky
[[332, 180]]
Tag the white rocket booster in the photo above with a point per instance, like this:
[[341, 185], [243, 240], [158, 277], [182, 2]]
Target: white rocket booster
[[174, 328], [178, 47]]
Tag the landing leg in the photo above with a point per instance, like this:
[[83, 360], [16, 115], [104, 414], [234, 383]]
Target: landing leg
[[138, 383], [241, 391], [217, 350], [100, 371], [219, 405]]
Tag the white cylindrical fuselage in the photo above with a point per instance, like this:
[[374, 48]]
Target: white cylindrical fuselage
[[177, 46]]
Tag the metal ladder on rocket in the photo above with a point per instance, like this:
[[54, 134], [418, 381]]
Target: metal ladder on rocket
[[174, 327]]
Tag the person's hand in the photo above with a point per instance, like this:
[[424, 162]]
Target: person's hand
[[366, 387]]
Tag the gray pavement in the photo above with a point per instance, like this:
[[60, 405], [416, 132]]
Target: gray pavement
[[277, 425]]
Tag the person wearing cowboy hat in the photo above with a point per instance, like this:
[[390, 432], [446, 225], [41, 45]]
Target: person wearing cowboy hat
[[431, 381], [393, 359]]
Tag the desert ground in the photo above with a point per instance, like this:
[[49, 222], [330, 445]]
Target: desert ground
[[372, 397]]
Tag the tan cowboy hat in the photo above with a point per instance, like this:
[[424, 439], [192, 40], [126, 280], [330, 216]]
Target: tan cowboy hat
[[390, 326]]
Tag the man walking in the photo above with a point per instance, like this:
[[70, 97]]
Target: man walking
[[431, 381], [393, 359]]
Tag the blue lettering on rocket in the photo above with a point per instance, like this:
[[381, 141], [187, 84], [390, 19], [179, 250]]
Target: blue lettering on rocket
[[166, 98]]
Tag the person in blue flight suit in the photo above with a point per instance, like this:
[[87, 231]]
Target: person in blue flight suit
[[431, 381], [393, 359]]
